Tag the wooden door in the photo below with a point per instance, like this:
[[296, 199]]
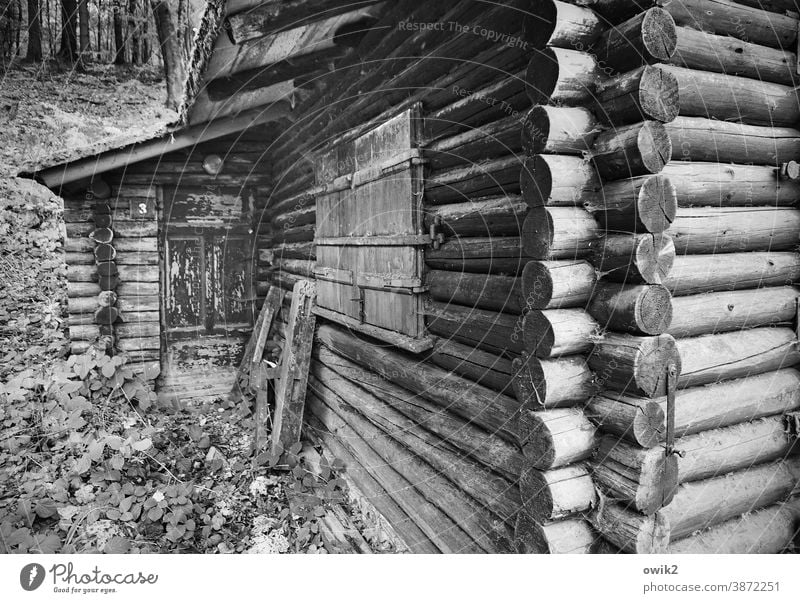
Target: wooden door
[[207, 291]]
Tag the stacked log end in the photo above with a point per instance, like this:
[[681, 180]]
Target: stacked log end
[[696, 295]]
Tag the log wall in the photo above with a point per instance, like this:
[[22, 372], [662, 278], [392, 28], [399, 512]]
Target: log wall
[[114, 276], [594, 225]]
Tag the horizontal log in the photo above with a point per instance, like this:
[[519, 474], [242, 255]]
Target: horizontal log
[[725, 54], [137, 289], [569, 536], [89, 332], [138, 330], [556, 438], [73, 258], [630, 531], [482, 143], [380, 497], [634, 258], [729, 185], [702, 504], [487, 448], [557, 284], [633, 150], [558, 233], [435, 524], [549, 333], [735, 229], [701, 139], [732, 310], [298, 217], [485, 368], [642, 204], [139, 343], [557, 494], [560, 76], [637, 309], [542, 384], [137, 258], [634, 365], [495, 255], [644, 478], [82, 305], [472, 109], [139, 303], [492, 177], [767, 531], [474, 402], [648, 37], [732, 98], [301, 267], [645, 93], [492, 292], [497, 495], [641, 476], [300, 251], [557, 180], [295, 234], [693, 274], [494, 216], [82, 289], [494, 332], [723, 17], [642, 421], [566, 130], [710, 358], [560, 24]]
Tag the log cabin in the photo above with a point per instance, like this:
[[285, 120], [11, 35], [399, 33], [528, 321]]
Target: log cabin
[[554, 245]]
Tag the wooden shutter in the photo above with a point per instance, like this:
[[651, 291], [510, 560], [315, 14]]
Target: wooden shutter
[[370, 234]]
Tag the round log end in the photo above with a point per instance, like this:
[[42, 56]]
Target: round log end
[[654, 145], [107, 315], [104, 252], [654, 310], [537, 285], [659, 34], [653, 257], [658, 94], [107, 268], [102, 235], [541, 75], [535, 130], [537, 233], [106, 298], [657, 204], [653, 357], [649, 425], [102, 220], [536, 181], [538, 334], [99, 189], [529, 537]]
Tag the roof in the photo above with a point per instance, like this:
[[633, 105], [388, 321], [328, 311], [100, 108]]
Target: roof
[[282, 35]]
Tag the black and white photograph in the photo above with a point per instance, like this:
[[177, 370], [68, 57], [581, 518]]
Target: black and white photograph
[[400, 278]]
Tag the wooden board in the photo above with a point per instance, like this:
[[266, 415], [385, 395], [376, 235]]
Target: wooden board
[[370, 234], [290, 390]]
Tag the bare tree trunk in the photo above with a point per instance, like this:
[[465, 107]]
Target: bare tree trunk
[[145, 35], [34, 32], [171, 50], [83, 25], [134, 34], [69, 34], [18, 26], [119, 37], [99, 38]]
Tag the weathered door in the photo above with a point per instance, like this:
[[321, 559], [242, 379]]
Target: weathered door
[[207, 297]]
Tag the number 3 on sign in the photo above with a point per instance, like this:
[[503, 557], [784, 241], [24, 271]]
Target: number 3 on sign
[[143, 210]]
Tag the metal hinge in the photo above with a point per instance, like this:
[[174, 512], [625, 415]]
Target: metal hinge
[[435, 233]]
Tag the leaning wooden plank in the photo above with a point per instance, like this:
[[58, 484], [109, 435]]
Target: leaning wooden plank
[[290, 391], [642, 421], [702, 504], [270, 309]]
